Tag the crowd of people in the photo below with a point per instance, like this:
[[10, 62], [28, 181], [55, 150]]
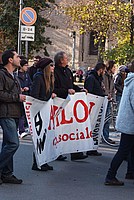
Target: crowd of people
[[49, 79]]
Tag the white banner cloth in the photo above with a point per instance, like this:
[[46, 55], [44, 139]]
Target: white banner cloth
[[62, 126]]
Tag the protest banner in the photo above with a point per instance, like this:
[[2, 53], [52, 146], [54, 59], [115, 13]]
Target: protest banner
[[62, 126], [97, 130]]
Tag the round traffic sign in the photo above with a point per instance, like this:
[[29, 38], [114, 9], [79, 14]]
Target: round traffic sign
[[28, 16]]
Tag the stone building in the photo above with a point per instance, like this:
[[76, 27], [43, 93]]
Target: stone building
[[81, 49]]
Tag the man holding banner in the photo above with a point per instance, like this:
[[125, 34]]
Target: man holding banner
[[64, 85], [94, 85]]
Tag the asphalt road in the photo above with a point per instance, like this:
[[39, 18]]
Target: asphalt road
[[79, 180]]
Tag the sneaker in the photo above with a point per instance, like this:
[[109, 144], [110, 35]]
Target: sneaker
[[61, 158], [113, 182], [129, 176], [11, 179], [93, 153], [24, 134]]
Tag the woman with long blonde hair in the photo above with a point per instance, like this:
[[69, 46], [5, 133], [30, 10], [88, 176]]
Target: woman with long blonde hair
[[42, 89]]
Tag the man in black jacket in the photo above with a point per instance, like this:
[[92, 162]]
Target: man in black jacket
[[10, 111], [94, 85], [63, 86]]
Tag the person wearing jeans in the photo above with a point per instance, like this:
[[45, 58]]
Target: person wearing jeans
[[124, 124], [10, 111], [9, 125]]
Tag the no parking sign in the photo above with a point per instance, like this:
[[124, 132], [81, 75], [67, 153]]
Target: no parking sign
[[28, 16]]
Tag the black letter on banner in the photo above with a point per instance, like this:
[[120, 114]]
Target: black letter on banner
[[38, 123], [40, 143]]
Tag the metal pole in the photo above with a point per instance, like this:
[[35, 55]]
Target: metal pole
[[73, 49], [19, 30], [26, 49]]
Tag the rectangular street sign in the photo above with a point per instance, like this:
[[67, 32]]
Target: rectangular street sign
[[27, 29], [27, 36]]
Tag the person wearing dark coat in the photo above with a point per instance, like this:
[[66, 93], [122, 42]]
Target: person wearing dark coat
[[63, 86], [94, 82], [94, 85], [42, 89], [33, 69], [10, 112], [119, 83], [25, 83]]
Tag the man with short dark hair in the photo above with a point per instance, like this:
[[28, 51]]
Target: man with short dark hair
[[33, 69], [10, 112], [94, 85]]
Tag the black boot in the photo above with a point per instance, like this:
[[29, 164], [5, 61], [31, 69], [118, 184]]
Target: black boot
[[35, 167], [0, 179], [78, 156], [48, 166], [61, 158], [93, 153]]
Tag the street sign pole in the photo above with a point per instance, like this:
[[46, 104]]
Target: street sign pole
[[28, 17], [26, 49], [19, 30]]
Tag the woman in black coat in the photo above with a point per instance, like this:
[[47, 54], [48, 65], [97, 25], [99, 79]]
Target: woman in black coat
[[42, 87]]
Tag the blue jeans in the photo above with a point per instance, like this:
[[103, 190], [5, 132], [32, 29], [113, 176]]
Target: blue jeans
[[126, 148], [107, 124], [21, 124], [9, 145], [118, 99]]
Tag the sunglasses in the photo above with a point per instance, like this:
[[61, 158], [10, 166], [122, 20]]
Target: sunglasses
[[51, 65]]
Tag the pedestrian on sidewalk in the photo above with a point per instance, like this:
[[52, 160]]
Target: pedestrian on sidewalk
[[124, 124], [10, 112]]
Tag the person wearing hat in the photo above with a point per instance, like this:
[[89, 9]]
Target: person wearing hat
[[42, 89], [25, 83], [119, 83]]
